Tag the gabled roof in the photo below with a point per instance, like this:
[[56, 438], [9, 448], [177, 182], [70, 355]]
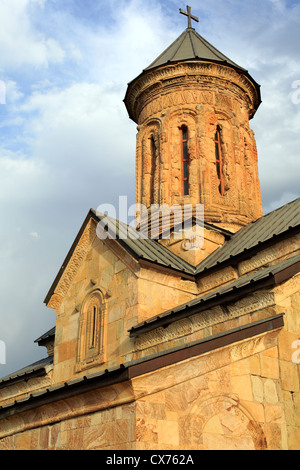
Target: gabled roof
[[257, 234], [37, 369], [268, 229], [141, 247], [190, 45], [277, 224]]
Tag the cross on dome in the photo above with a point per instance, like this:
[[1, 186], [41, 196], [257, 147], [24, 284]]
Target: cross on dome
[[189, 15]]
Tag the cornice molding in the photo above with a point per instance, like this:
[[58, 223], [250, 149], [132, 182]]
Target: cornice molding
[[204, 76]]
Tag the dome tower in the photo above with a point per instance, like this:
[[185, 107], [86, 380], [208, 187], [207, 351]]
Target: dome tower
[[192, 106]]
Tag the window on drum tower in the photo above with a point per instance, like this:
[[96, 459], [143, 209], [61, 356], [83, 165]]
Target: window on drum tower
[[219, 160], [185, 160], [153, 169]]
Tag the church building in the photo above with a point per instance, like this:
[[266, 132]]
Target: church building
[[182, 333]]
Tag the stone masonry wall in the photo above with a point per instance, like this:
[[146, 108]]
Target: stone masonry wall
[[227, 399]]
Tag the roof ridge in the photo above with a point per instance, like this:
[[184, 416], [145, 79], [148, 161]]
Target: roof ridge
[[148, 245], [275, 223], [171, 51], [189, 33], [180, 43]]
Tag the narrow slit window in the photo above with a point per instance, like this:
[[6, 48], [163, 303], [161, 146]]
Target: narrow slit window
[[153, 169], [90, 348], [185, 161], [93, 327], [219, 161]]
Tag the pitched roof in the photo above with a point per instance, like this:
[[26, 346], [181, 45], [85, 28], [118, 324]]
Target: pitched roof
[[258, 233], [36, 369], [273, 225], [268, 276], [190, 45], [268, 228], [141, 247], [46, 336]]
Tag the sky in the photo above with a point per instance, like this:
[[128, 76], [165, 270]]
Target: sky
[[68, 145]]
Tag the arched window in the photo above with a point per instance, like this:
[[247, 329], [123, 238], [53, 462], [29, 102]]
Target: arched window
[[149, 173], [219, 161], [91, 332], [184, 160]]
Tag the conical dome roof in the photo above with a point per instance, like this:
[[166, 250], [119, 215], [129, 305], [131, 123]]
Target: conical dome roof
[[188, 46], [191, 47]]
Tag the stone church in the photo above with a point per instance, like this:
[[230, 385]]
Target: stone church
[[173, 336]]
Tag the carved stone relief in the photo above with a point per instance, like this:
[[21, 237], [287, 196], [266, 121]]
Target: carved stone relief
[[208, 318]]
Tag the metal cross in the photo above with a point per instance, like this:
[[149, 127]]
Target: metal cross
[[189, 15]]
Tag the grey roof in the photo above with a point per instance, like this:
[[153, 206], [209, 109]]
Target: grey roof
[[279, 222], [142, 247], [263, 230], [38, 366], [190, 45], [267, 274], [257, 233], [253, 236], [46, 336], [139, 247]]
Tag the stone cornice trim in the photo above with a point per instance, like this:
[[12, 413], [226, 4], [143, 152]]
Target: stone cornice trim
[[181, 73]]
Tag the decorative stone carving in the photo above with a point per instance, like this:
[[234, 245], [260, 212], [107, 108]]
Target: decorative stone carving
[[200, 96], [90, 347], [70, 271], [208, 318]]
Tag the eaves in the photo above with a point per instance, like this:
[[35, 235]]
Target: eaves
[[266, 278], [130, 370]]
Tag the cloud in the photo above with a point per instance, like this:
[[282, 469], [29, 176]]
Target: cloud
[[34, 235], [73, 133], [21, 43]]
